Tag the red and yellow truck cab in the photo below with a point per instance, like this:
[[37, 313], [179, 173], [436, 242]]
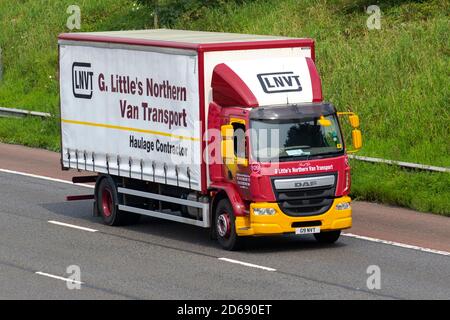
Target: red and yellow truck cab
[[285, 158]]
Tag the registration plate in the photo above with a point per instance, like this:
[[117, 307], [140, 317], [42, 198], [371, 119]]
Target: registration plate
[[307, 230]]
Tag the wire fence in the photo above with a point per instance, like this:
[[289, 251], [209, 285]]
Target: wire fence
[[403, 164], [19, 113]]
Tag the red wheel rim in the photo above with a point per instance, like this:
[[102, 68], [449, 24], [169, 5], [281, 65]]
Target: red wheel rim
[[224, 225], [107, 202]]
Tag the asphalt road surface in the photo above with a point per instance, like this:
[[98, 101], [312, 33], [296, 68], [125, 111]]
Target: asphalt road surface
[[40, 237], [164, 260]]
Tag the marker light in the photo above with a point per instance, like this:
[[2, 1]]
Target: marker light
[[264, 211]]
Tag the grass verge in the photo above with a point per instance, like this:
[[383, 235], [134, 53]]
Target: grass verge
[[418, 190]]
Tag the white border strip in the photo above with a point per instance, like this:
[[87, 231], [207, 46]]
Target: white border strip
[[58, 277], [166, 216], [397, 244], [149, 195], [247, 264], [71, 226], [44, 178]]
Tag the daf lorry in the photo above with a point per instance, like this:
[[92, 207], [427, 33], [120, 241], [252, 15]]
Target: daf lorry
[[222, 131]]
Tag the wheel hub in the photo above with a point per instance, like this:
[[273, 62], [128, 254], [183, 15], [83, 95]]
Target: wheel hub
[[107, 202], [223, 225]]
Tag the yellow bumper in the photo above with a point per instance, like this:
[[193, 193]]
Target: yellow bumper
[[278, 223]]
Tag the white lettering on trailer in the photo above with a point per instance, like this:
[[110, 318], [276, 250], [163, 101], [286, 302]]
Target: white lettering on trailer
[[243, 180]]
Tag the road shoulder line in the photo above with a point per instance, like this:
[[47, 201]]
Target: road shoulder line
[[68, 225], [396, 244], [48, 275], [30, 175], [251, 265]]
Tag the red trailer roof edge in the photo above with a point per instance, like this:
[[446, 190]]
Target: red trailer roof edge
[[222, 46], [260, 44], [120, 40]]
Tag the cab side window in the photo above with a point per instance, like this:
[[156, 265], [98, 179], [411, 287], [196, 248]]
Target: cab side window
[[240, 140]]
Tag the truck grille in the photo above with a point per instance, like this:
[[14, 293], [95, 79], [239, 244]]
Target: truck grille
[[306, 201]]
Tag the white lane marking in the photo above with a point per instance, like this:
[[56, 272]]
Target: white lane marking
[[44, 178], [401, 245], [58, 277], [247, 264], [71, 226], [397, 244]]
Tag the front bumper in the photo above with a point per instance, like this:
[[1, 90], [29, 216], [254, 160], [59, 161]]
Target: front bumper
[[253, 225]]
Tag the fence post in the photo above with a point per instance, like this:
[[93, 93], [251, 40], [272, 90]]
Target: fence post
[[155, 16]]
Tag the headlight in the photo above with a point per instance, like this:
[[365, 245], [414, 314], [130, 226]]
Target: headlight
[[343, 206], [264, 211]]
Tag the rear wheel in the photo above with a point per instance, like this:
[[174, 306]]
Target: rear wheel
[[225, 228], [108, 204], [328, 236]]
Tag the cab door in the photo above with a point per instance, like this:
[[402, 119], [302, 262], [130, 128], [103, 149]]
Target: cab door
[[236, 166]]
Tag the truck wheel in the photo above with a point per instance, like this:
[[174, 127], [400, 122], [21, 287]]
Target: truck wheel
[[107, 205], [225, 229], [328, 236]]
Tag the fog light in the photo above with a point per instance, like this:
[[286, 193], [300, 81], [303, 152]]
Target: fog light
[[264, 211], [343, 206]]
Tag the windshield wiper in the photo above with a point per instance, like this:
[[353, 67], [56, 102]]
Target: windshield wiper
[[321, 155], [303, 156], [309, 156], [296, 147]]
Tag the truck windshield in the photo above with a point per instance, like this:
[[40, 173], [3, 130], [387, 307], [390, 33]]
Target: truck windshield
[[294, 139]]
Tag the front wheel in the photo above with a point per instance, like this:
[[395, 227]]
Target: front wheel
[[328, 236], [225, 228]]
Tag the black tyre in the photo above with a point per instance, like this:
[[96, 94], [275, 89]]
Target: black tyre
[[225, 228], [107, 204], [328, 236]]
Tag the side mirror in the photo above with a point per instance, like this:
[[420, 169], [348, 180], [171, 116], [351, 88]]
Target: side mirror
[[354, 120], [356, 139], [356, 133]]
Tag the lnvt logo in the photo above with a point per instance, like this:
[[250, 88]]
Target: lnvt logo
[[277, 82], [82, 74]]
